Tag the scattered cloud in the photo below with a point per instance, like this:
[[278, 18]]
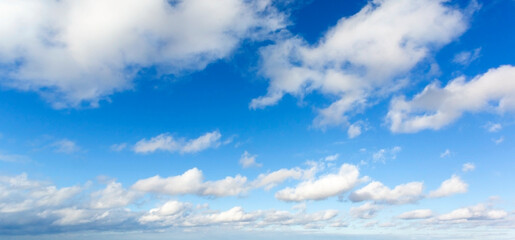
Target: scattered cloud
[[449, 187], [65, 146], [166, 142], [331, 158], [401, 194], [247, 160], [386, 154], [323, 187], [354, 130], [468, 167], [466, 57], [498, 140], [192, 182], [417, 214], [365, 211], [270, 180], [80, 52], [478, 212], [446, 153], [436, 107], [493, 127], [118, 147], [114, 195], [13, 158], [344, 63]]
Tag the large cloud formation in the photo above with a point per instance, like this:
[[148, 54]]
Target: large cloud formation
[[76, 52], [364, 56]]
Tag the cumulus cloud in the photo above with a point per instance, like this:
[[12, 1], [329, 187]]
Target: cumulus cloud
[[247, 160], [365, 211], [323, 187], [192, 182], [401, 194], [364, 55], [451, 186], [478, 212], [114, 195], [436, 107], [354, 130], [416, 214], [270, 180], [79, 52], [166, 142]]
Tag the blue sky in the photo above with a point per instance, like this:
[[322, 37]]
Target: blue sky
[[257, 119]]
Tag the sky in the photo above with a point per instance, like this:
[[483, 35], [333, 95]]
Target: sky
[[257, 119]]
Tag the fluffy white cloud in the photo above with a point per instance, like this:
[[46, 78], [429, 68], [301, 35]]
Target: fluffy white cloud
[[80, 51], [401, 194], [467, 167], [192, 182], [362, 56], [354, 130], [114, 195], [449, 187], [270, 180], [365, 211], [417, 214], [174, 213], [18, 194], [436, 107], [166, 142], [323, 187], [478, 212], [247, 160]]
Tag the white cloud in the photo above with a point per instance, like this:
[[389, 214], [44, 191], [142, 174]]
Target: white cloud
[[365, 211], [467, 167], [417, 214], [331, 158], [466, 57], [79, 52], [401, 194], [493, 127], [192, 182], [114, 195], [365, 55], [478, 212], [451, 186], [247, 160], [384, 154], [166, 142], [174, 213], [323, 187], [270, 180], [445, 154], [65, 146], [436, 107], [354, 130]]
